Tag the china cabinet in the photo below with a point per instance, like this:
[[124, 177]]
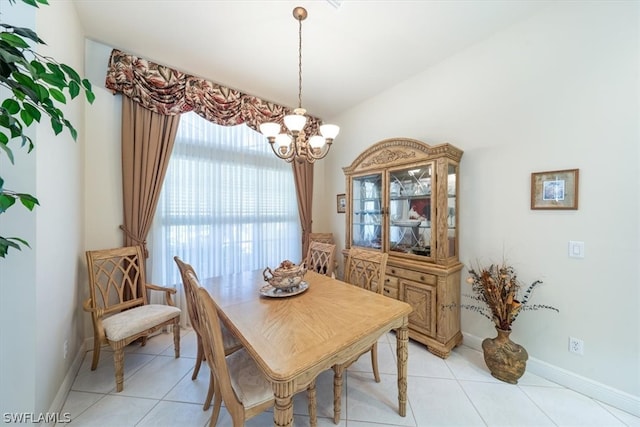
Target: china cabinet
[[402, 198]]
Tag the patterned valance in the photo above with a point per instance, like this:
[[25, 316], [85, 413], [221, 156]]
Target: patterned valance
[[169, 92]]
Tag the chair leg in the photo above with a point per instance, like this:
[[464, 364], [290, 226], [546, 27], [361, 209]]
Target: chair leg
[[96, 353], [216, 405], [210, 392], [199, 358], [118, 361], [338, 370], [313, 406], [176, 337], [374, 362]]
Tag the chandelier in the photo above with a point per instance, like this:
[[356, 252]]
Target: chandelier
[[294, 143]]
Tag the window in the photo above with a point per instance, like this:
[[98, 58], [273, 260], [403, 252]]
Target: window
[[227, 205]]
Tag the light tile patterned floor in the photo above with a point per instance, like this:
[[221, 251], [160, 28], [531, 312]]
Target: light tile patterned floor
[[458, 391]]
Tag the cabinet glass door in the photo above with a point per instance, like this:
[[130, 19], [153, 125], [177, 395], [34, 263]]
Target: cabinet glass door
[[452, 208], [366, 212], [410, 210]]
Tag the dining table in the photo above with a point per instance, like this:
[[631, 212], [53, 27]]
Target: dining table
[[295, 336]]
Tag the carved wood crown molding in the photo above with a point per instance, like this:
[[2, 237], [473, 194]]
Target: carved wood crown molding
[[400, 150], [388, 156]]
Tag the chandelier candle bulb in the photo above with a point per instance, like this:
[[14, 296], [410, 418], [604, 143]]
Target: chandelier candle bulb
[[270, 130], [283, 140], [316, 141], [329, 131], [295, 122]]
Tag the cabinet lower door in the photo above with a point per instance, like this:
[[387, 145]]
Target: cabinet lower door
[[423, 300]]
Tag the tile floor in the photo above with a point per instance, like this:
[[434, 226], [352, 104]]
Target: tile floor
[[458, 391]]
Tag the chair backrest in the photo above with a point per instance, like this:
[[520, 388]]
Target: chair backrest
[[366, 269], [116, 278], [190, 293], [321, 258], [212, 343], [322, 238]]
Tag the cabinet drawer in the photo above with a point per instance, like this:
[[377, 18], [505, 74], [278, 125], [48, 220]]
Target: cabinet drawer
[[391, 287], [415, 276], [391, 292], [391, 282]]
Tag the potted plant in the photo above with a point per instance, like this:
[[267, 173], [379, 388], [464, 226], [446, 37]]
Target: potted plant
[[37, 85], [497, 296]]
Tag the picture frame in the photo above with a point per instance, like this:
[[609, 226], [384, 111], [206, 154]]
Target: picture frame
[[555, 189], [341, 203]]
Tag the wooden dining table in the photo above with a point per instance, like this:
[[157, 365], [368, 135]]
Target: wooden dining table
[[294, 338]]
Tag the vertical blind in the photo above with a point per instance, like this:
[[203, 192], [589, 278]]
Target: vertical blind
[[227, 205]]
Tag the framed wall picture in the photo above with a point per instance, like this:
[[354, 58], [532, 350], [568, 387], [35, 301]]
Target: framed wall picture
[[341, 203], [554, 189]]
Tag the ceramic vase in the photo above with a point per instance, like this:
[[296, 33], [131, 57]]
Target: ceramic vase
[[505, 359]]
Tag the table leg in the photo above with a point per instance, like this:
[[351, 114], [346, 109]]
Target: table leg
[[283, 409], [402, 340], [313, 406], [338, 370]]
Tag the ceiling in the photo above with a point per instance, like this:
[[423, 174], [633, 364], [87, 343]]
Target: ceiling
[[351, 49]]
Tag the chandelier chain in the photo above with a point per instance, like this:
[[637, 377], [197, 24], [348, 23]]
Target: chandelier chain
[[299, 63], [295, 143]]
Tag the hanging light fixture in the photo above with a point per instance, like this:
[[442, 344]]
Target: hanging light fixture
[[294, 144]]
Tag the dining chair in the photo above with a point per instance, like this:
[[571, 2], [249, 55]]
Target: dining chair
[[321, 258], [119, 308], [322, 238], [230, 342], [365, 269], [325, 238], [240, 383]]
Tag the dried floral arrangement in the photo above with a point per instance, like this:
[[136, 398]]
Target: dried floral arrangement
[[497, 287]]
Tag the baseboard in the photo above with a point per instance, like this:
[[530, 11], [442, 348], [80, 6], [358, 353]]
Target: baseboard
[[67, 382], [616, 398]]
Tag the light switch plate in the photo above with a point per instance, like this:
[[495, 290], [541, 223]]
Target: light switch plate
[[576, 249]]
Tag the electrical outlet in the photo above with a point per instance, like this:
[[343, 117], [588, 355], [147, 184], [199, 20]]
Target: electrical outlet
[[65, 349], [576, 346]]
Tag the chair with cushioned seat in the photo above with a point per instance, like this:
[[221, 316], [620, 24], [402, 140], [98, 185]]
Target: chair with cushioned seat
[[328, 239], [230, 342], [240, 383], [365, 269], [118, 304], [321, 258], [322, 238]]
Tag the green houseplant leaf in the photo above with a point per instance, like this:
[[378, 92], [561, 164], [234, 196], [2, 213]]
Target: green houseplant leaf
[[37, 86]]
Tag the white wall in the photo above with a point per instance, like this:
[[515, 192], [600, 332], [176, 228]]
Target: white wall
[[17, 275], [103, 207], [103, 168], [60, 219], [39, 285], [557, 91]]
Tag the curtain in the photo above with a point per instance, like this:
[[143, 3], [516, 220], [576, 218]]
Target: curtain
[[147, 141], [303, 175], [227, 205], [168, 92]]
